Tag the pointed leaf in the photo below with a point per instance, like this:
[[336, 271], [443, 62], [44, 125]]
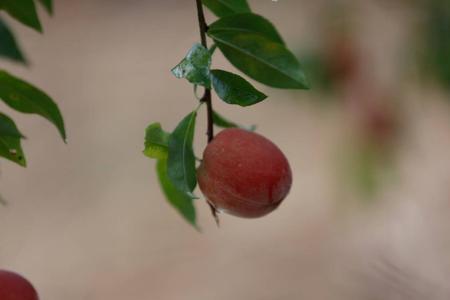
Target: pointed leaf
[[10, 148], [23, 11], [212, 49], [248, 23], [318, 72], [181, 160], [222, 8], [234, 89], [156, 142], [26, 98], [263, 60], [48, 4], [8, 46], [8, 127], [179, 200], [195, 66], [10, 136], [220, 121]]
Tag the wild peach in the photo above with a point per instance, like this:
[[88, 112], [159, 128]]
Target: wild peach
[[15, 287], [244, 174]]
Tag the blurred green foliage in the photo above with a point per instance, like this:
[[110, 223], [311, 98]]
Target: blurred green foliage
[[435, 41]]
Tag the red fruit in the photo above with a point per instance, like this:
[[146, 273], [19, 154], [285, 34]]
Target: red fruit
[[244, 174], [15, 287]]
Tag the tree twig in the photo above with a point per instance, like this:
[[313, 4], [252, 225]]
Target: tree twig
[[206, 98]]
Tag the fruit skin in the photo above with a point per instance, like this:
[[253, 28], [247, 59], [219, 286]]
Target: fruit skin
[[244, 174], [15, 287]]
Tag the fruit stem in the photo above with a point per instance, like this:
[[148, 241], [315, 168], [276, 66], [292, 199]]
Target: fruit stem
[[209, 111], [206, 98]]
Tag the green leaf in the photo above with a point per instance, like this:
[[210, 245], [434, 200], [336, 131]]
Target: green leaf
[[434, 58], [220, 121], [319, 75], [8, 127], [195, 66], [26, 98], [23, 11], [10, 137], [212, 49], [10, 147], [48, 4], [8, 46], [234, 89], [263, 60], [179, 200], [248, 23], [222, 8], [181, 160], [156, 142]]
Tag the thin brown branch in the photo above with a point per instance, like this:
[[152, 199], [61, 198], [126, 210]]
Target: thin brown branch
[[207, 99]]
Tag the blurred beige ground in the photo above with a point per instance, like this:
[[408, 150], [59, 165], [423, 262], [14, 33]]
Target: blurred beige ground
[[87, 220]]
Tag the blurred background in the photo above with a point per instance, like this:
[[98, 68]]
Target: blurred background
[[368, 216]]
